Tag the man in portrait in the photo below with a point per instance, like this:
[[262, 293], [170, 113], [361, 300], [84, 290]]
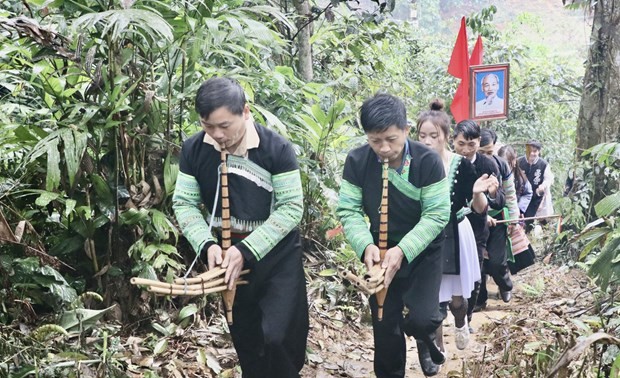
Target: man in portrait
[[491, 104]]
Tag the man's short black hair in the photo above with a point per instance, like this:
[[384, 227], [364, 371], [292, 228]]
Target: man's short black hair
[[534, 143], [468, 128], [487, 136], [381, 111], [217, 92]]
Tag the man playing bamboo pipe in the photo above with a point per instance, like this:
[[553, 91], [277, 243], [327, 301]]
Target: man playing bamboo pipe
[[418, 210], [270, 314]]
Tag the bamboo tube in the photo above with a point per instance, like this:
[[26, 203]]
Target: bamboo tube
[[377, 289], [166, 285], [228, 296], [355, 280], [383, 230], [216, 289], [526, 219], [206, 278], [217, 271], [375, 274], [373, 285]]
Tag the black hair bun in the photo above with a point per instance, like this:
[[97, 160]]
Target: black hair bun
[[437, 104]]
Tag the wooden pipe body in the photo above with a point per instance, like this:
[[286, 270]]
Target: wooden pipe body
[[228, 296], [205, 284], [383, 233], [375, 274], [206, 276], [215, 289]]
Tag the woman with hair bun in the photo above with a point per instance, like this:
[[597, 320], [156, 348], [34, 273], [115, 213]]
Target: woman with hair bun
[[467, 194]]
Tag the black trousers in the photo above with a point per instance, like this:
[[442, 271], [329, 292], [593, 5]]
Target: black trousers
[[531, 210], [496, 265], [270, 315], [418, 291]]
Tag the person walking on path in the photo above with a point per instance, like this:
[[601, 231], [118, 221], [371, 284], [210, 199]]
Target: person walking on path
[[270, 313], [461, 268], [418, 211]]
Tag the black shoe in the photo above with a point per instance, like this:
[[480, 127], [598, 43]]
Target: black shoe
[[429, 368], [480, 307], [506, 295]]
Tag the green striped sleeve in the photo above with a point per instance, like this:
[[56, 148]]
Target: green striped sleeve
[[435, 202], [351, 215], [287, 213], [186, 205], [510, 194]]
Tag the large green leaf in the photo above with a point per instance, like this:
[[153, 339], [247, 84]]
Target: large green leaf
[[593, 238], [70, 320], [53, 169], [162, 225], [124, 22], [608, 205], [603, 268], [272, 120], [171, 171], [74, 143], [134, 216]]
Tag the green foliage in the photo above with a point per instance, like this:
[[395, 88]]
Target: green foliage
[[94, 112], [34, 284], [93, 115], [601, 238]]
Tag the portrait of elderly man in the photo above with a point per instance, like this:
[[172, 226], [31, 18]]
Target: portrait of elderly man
[[492, 103]]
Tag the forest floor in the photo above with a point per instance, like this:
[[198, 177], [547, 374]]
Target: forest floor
[[551, 307], [506, 334]]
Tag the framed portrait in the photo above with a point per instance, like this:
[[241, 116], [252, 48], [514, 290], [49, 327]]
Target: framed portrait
[[489, 91]]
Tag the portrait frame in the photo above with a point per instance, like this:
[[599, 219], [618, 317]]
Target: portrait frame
[[491, 103]]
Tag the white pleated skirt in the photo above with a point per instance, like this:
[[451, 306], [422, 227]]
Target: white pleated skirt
[[462, 284]]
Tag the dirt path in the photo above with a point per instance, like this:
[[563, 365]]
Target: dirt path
[[502, 330], [551, 307], [349, 353]]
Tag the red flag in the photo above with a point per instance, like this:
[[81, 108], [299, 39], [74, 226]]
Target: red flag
[[477, 54], [459, 67], [460, 103], [459, 61]]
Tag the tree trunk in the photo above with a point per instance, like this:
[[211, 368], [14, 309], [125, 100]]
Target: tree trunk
[[304, 49], [599, 113]]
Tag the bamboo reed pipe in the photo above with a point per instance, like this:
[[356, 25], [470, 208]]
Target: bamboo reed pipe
[[228, 296], [209, 274], [527, 219], [206, 278], [375, 274], [377, 289], [373, 285], [216, 289], [198, 286], [383, 233], [355, 280]]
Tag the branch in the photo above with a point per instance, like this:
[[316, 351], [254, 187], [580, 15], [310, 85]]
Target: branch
[[312, 18], [37, 251]]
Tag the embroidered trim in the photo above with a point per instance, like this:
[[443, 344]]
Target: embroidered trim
[[251, 171], [237, 225], [404, 185]]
